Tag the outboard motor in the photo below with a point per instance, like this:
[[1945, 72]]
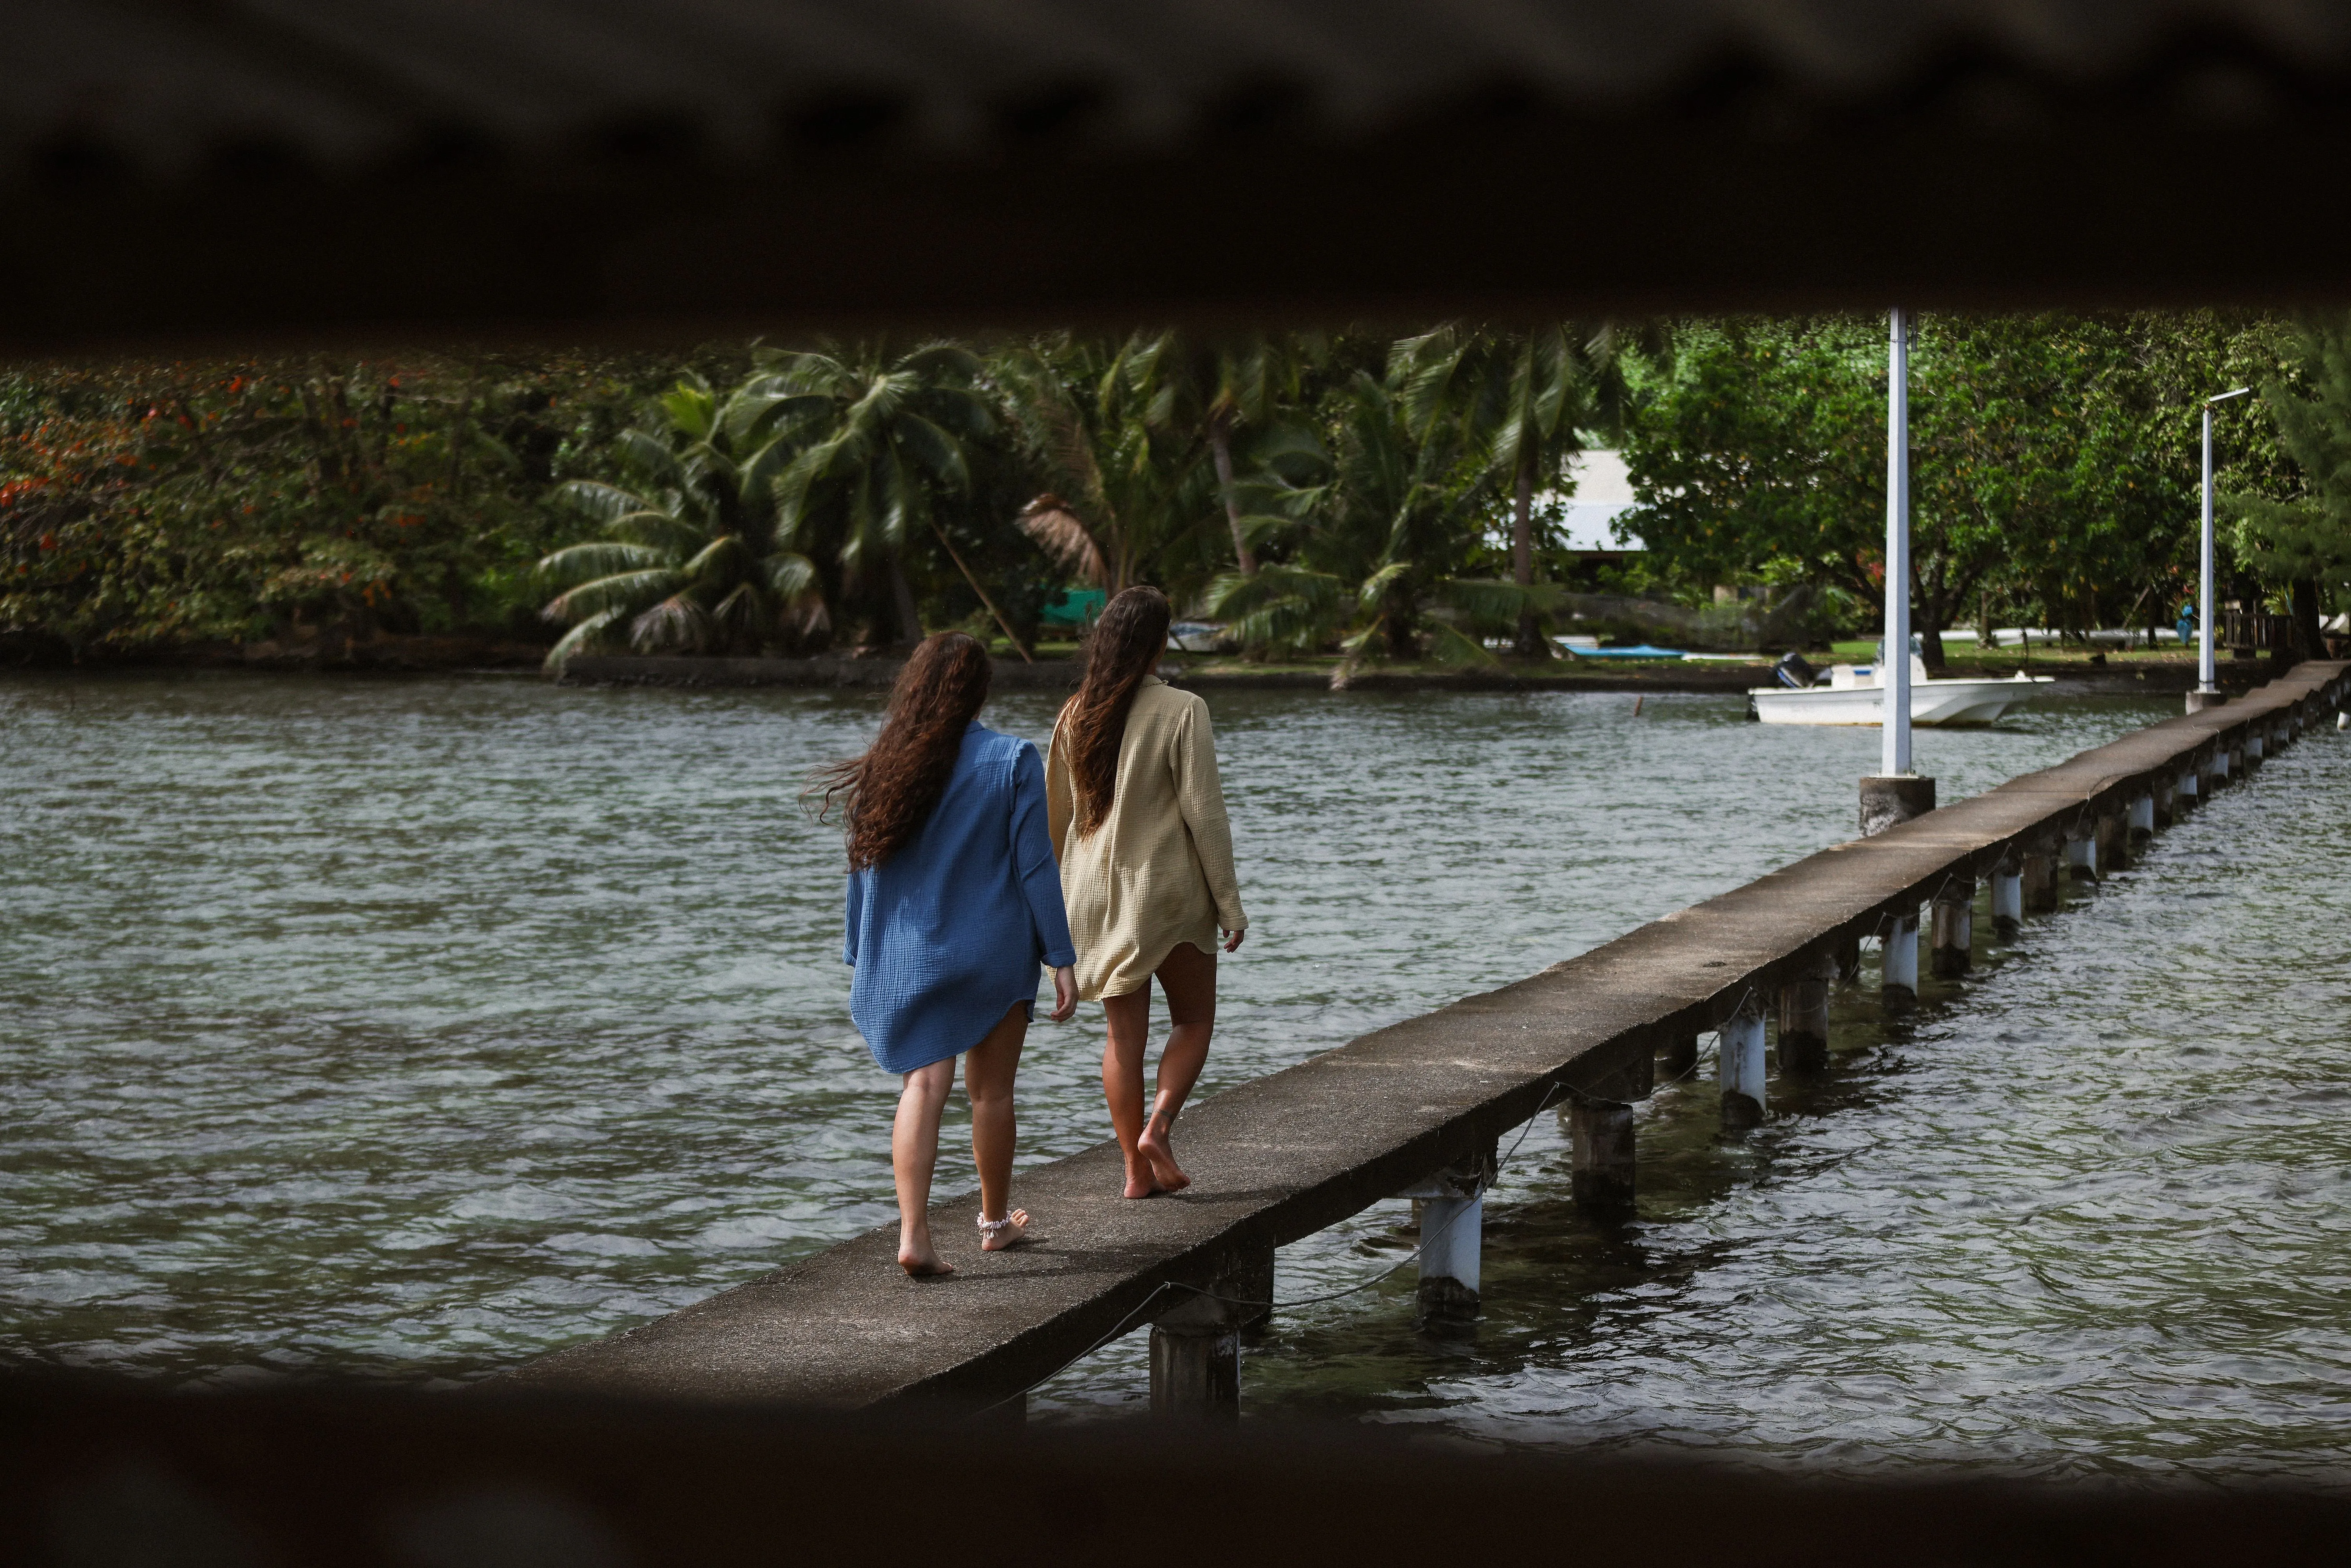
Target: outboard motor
[[1793, 671]]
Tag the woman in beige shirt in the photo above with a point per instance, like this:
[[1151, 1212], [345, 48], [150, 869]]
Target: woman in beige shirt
[[1137, 820]]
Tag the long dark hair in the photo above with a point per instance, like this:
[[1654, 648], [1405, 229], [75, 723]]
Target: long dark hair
[[1125, 647], [889, 793]]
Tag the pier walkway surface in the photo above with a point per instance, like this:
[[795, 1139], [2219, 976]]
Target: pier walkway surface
[[1278, 1158]]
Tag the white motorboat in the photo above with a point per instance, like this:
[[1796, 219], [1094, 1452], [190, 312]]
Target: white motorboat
[[1851, 694]]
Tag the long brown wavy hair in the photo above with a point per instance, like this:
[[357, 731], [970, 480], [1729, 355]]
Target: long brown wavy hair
[[886, 795], [1125, 648]]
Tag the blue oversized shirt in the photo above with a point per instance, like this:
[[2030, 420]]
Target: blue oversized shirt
[[948, 933]]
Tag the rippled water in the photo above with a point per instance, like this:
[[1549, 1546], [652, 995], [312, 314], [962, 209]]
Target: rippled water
[[417, 1027]]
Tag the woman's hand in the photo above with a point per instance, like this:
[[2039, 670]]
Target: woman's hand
[[1065, 993], [1233, 939]]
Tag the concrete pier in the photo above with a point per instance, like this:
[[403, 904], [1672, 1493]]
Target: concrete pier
[[1897, 973], [1601, 1154], [1804, 1016], [1738, 1065], [2081, 851], [1452, 1209], [2008, 897], [1282, 1156], [2141, 816], [1951, 932]]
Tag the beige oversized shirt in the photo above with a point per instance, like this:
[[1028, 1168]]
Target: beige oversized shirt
[[1159, 870]]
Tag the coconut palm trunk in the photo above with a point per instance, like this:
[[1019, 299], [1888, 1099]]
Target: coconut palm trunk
[[1522, 552], [1221, 444]]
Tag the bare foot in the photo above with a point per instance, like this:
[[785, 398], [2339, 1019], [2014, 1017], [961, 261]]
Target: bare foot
[[919, 1260], [1140, 1183], [996, 1241], [1155, 1148]]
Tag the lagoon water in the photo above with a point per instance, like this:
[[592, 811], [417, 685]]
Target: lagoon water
[[410, 1027]]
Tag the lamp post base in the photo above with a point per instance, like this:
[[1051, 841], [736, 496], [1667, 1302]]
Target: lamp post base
[[1889, 798], [2198, 701]]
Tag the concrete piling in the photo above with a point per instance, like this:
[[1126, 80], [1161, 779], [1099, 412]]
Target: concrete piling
[[2038, 874], [1601, 1155], [1952, 929], [1452, 1207], [2008, 897], [2142, 816], [2190, 789], [1805, 1016], [1740, 1064], [2081, 851], [1898, 975], [1195, 1362]]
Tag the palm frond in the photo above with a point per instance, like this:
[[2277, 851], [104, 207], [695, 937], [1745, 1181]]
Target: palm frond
[[598, 558], [1063, 536], [584, 634], [624, 590], [678, 622], [597, 501], [1450, 645]]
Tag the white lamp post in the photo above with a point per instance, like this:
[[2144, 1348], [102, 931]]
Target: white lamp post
[[1896, 794], [1894, 669], [2207, 684]]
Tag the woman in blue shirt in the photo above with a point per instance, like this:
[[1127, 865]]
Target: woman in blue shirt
[[953, 900]]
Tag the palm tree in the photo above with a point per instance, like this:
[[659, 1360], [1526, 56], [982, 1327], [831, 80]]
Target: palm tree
[[1202, 391], [1131, 498], [1375, 547], [690, 559], [1525, 397], [880, 439]]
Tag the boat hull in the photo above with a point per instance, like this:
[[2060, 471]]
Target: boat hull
[[1933, 704]]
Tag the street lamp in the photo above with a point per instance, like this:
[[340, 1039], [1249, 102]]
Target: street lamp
[[1894, 793], [2208, 688]]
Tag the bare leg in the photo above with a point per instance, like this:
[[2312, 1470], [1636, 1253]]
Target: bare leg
[[913, 1152], [1129, 1020], [1190, 978], [988, 1072]]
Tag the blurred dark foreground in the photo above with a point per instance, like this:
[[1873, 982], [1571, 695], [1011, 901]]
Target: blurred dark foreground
[[99, 1472]]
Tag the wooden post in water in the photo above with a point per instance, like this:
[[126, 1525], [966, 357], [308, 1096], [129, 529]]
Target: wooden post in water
[[1848, 960], [1898, 975], [1452, 1206], [2008, 896], [1953, 930], [1601, 1154], [1738, 1061], [2038, 874], [1805, 1016]]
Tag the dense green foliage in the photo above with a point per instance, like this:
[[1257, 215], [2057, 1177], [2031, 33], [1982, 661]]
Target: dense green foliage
[[2054, 458], [1382, 499], [2304, 536]]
